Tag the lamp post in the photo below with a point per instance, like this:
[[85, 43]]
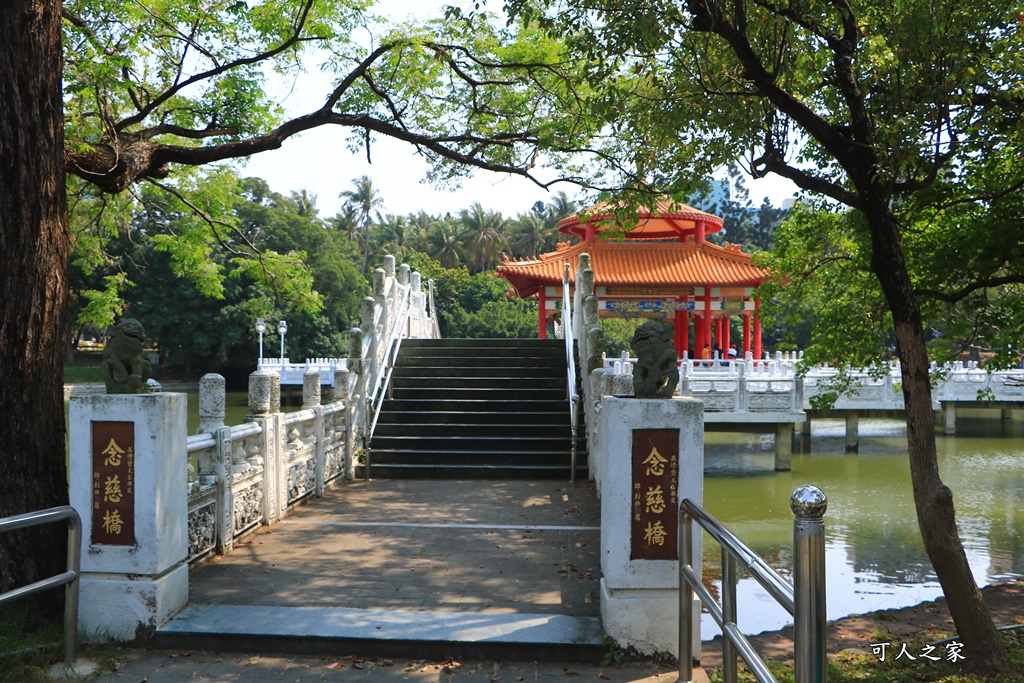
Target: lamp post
[[261, 327], [282, 329]]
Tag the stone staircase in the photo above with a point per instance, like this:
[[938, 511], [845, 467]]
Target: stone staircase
[[477, 409]]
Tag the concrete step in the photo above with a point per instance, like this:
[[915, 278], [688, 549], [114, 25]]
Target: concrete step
[[502, 404], [509, 431], [461, 368], [448, 443], [513, 393], [482, 360], [384, 633], [391, 415], [539, 344], [467, 472], [498, 383]]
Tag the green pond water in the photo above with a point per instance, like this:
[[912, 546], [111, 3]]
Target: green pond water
[[875, 558]]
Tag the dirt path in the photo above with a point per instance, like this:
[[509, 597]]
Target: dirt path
[[927, 621]]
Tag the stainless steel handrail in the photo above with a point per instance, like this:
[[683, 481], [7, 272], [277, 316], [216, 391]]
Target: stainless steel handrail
[[434, 322], [382, 381], [804, 600], [69, 579], [570, 357]]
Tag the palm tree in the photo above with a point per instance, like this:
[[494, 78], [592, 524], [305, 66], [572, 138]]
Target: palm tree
[[346, 221], [531, 236], [393, 235], [444, 244], [561, 207], [482, 232], [363, 200]]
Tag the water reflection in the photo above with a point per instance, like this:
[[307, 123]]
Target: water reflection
[[875, 558]]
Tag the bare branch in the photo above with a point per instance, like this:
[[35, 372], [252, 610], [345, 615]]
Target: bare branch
[[967, 290]]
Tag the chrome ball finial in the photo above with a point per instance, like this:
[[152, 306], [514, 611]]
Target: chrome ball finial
[[808, 501]]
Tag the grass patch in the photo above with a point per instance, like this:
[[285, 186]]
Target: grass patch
[[30, 646], [85, 369], [856, 667]]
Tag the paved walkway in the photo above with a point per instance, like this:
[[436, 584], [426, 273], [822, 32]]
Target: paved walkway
[[206, 667], [502, 546], [491, 551]]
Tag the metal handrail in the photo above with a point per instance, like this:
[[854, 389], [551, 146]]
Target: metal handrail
[[382, 382], [70, 578], [570, 357], [804, 599], [434, 323]]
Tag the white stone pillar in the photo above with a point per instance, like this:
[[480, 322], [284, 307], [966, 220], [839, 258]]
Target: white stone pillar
[[265, 410], [852, 431], [949, 417], [128, 458], [784, 447], [641, 441], [212, 403]]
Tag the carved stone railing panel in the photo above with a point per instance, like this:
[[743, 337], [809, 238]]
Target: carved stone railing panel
[[248, 505], [202, 524]]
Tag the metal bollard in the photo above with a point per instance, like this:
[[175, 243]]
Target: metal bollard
[[809, 504], [730, 657], [685, 601]]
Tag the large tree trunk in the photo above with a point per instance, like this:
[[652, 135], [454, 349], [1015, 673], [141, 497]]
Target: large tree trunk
[[34, 246], [936, 517]]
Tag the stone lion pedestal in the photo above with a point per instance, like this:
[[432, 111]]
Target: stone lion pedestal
[[653, 457], [128, 465]]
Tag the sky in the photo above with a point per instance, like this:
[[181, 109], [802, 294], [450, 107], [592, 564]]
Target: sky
[[319, 162]]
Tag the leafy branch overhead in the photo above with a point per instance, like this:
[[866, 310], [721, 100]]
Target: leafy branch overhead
[[155, 83]]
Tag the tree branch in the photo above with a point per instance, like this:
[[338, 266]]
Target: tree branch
[[291, 41], [967, 290]]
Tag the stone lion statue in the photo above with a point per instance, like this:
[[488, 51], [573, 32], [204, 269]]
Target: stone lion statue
[[124, 370], [655, 374]]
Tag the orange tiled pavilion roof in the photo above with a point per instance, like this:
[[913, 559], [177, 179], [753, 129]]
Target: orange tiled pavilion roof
[[638, 264], [668, 220]]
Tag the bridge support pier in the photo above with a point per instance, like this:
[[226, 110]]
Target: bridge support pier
[[949, 418], [784, 447], [852, 431], [805, 433]]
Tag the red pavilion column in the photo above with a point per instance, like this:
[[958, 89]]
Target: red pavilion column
[[757, 330], [706, 336], [679, 327], [685, 334], [542, 314], [726, 333], [746, 334]]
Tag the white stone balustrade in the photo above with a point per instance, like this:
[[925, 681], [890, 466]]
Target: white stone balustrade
[[749, 385], [249, 474]]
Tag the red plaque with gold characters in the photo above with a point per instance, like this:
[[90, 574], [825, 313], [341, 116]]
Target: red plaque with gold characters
[[113, 483], [654, 521]]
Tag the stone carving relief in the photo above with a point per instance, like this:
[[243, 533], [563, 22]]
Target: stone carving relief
[[202, 531], [248, 506]]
